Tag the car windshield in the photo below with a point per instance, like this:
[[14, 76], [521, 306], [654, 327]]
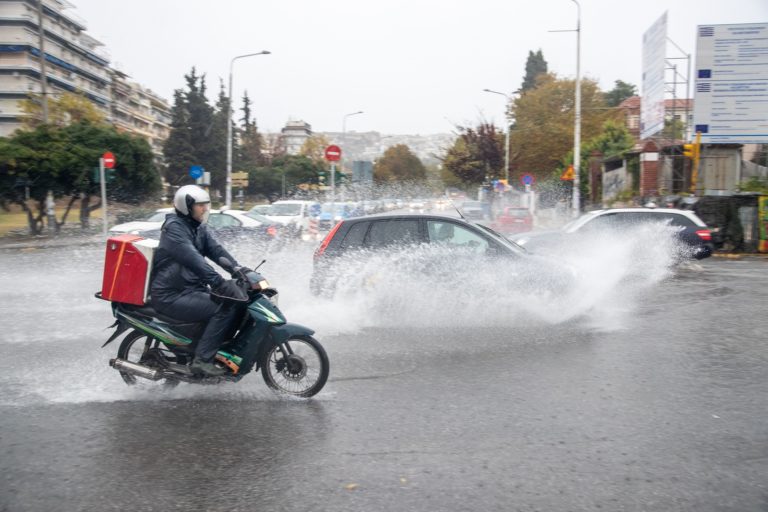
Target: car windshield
[[285, 210], [517, 212], [255, 216], [506, 241]]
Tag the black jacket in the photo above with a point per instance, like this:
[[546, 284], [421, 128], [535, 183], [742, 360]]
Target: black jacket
[[179, 265]]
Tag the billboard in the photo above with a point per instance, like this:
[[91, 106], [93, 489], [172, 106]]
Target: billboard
[[654, 64], [731, 98]]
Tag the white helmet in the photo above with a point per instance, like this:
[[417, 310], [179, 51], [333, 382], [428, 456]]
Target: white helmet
[[188, 195]]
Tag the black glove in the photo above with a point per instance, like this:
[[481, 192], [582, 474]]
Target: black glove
[[241, 272], [229, 290]]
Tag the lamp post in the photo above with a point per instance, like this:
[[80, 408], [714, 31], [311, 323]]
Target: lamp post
[[577, 114], [228, 196], [577, 120], [509, 126]]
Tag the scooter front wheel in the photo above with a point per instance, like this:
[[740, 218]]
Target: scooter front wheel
[[299, 366]]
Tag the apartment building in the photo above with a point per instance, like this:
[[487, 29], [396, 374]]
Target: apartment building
[[293, 136], [75, 61], [136, 109]]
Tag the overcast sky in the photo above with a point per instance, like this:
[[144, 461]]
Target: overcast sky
[[413, 67]]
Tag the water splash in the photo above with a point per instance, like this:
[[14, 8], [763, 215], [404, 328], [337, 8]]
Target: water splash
[[51, 327]]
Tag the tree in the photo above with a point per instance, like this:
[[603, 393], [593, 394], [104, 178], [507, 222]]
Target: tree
[[535, 66], [674, 129], [215, 157], [178, 150], [477, 154], [398, 164], [249, 154], [293, 169], [314, 147], [614, 140], [620, 92], [544, 117], [63, 109], [198, 133], [62, 160]]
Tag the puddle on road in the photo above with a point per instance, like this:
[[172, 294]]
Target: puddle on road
[[52, 326]]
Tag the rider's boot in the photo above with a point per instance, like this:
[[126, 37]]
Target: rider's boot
[[207, 368]]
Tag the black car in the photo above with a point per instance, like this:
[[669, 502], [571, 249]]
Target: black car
[[459, 243], [694, 237]]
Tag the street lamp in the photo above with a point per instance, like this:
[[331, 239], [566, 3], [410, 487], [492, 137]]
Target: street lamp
[[509, 126], [228, 196], [577, 120], [577, 111]]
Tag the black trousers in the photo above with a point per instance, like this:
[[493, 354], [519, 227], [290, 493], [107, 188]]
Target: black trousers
[[198, 307]]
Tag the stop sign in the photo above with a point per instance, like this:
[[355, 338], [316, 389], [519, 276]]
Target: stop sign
[[109, 160], [333, 153]]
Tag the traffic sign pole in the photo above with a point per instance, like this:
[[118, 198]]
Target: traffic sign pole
[[333, 154], [103, 180], [333, 192], [108, 161]]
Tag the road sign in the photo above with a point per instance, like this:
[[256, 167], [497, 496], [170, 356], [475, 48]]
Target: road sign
[[333, 153], [527, 179], [109, 160], [240, 179], [196, 171], [568, 174]]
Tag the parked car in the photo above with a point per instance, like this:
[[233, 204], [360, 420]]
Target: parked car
[[260, 209], [457, 242], [694, 235], [153, 222], [294, 214], [475, 210], [235, 224], [331, 213], [513, 220]]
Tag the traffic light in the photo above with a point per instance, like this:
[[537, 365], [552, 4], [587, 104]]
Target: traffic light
[[109, 175], [689, 151]]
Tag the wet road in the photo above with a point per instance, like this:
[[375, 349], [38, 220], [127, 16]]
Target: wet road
[[656, 400]]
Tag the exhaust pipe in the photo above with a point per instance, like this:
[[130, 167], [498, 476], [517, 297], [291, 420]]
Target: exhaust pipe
[[135, 369]]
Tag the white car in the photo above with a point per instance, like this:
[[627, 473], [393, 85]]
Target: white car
[[261, 209], [153, 222], [294, 214]]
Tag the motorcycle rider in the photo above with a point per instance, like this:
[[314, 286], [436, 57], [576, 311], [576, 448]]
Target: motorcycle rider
[[181, 277]]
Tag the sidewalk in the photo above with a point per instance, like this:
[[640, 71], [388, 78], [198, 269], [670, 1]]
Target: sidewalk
[[64, 239]]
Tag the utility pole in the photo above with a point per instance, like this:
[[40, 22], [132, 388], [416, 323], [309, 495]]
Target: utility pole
[[43, 75], [577, 120]]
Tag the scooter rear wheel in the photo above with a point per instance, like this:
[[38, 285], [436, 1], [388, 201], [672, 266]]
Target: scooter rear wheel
[[136, 347], [297, 367]]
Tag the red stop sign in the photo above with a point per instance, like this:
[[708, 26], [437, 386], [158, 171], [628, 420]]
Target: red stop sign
[[333, 153], [109, 160]]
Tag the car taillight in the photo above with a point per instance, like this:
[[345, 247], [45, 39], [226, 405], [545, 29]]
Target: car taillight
[[324, 245], [272, 231], [705, 234]]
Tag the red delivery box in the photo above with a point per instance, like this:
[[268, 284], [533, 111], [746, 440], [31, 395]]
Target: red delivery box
[[127, 266]]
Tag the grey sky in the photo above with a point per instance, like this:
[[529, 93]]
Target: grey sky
[[412, 66]]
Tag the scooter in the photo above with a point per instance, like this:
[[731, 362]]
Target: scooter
[[160, 349]]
